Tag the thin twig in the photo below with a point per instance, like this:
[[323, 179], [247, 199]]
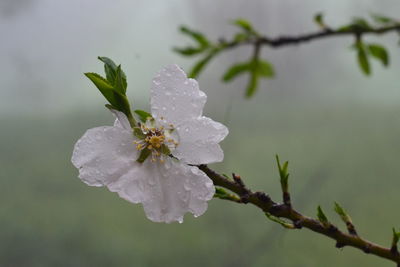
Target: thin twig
[[284, 40]]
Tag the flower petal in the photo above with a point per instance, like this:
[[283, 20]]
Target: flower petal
[[198, 141], [104, 154], [175, 97], [167, 191], [121, 120]]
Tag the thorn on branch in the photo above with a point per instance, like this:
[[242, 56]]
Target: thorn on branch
[[238, 180]]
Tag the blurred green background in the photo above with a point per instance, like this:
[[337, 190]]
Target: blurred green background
[[338, 129]]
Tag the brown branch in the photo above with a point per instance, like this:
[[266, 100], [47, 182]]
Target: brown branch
[[267, 205], [284, 40]]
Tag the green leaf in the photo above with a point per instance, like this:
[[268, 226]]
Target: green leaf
[[165, 150], [143, 115], [105, 88], [144, 154], [382, 19], [319, 19], [345, 28], [285, 224], [252, 84], [197, 36], [239, 37], [265, 69], [120, 82], [342, 213], [244, 24], [189, 51], [321, 215], [283, 173], [360, 24], [138, 133], [236, 70], [222, 194], [199, 66], [396, 237], [362, 58], [379, 52], [357, 24], [122, 104], [110, 68]]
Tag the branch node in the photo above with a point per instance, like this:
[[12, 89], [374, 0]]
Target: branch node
[[340, 244], [351, 228], [298, 224], [286, 199], [245, 198], [346, 219], [238, 180], [367, 248], [276, 209], [394, 250], [332, 228], [263, 197]]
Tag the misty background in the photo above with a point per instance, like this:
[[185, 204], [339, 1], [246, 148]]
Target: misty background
[[338, 128]]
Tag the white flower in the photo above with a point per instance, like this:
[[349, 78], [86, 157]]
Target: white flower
[[166, 186]]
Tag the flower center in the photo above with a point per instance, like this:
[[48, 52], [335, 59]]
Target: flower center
[[155, 141]]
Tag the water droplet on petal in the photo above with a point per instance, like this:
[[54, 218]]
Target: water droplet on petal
[[186, 185], [151, 181]]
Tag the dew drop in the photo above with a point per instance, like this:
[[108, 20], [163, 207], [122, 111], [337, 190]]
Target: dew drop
[[151, 181]]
